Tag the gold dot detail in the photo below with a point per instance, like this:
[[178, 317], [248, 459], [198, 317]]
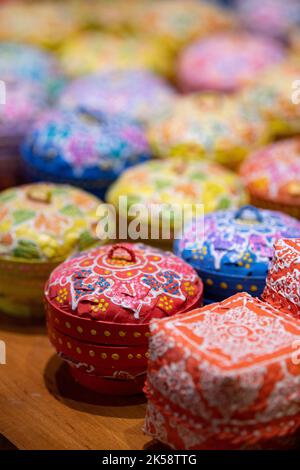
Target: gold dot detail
[[136, 334], [122, 334], [130, 356], [68, 324], [107, 333], [139, 356], [69, 345], [79, 329], [115, 357], [103, 356], [92, 353], [93, 332], [78, 350]]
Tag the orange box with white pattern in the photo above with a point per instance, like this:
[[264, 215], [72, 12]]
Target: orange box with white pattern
[[226, 376]]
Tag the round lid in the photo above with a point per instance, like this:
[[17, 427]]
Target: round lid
[[239, 243], [138, 94], [226, 62], [273, 173], [46, 222], [220, 128], [124, 283], [272, 17], [23, 102], [84, 145], [175, 182], [19, 62], [92, 51]]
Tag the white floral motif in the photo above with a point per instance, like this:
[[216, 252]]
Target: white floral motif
[[240, 333], [230, 393], [177, 385], [159, 344]]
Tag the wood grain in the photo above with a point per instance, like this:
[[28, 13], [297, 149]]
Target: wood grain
[[42, 408]]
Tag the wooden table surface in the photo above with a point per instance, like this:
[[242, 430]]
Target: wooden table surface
[[42, 408]]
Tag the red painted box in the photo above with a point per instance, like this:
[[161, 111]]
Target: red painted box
[[99, 306]]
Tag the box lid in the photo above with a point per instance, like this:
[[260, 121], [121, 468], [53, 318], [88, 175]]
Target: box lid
[[84, 145], [115, 288], [235, 243]]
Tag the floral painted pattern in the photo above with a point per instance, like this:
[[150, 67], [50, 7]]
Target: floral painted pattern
[[226, 62], [178, 182], [124, 284], [218, 128], [237, 243], [46, 222], [283, 281], [137, 94], [270, 98], [222, 377], [273, 173], [83, 147]]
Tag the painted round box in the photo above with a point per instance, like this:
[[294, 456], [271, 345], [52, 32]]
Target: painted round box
[[99, 305], [93, 51], [171, 185], [283, 282], [85, 148], [138, 94], [40, 226], [218, 128], [235, 248], [224, 377], [272, 177], [226, 62], [271, 99]]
